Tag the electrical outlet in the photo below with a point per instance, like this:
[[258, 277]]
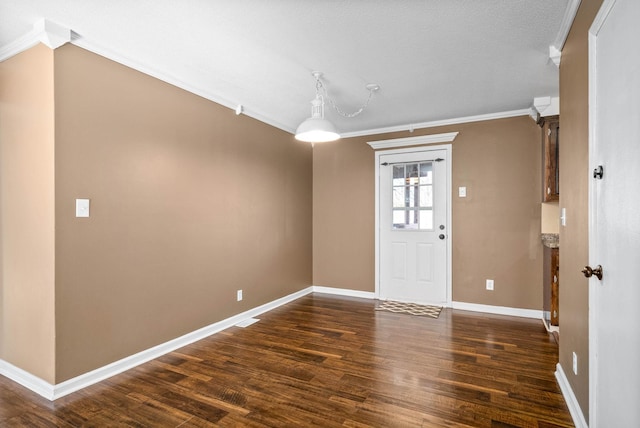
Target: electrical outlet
[[239, 295], [490, 284], [575, 364]]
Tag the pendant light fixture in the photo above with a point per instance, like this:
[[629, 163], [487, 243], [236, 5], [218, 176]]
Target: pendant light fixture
[[317, 129]]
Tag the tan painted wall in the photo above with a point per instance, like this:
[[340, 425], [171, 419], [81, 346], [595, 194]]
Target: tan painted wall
[[27, 212], [574, 168], [189, 203], [496, 229], [343, 214]]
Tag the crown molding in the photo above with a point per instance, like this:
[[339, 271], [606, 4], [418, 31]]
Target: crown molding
[[44, 31], [555, 55], [54, 35], [547, 106], [172, 80], [432, 124], [413, 141], [555, 50]]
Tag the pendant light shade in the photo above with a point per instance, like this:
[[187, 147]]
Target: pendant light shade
[[317, 129]]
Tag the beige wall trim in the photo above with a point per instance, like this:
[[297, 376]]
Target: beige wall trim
[[569, 397], [454, 121], [344, 292], [413, 141], [500, 310], [53, 392], [44, 31]]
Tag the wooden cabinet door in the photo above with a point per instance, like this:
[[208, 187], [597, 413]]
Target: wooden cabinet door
[[555, 286], [551, 146]]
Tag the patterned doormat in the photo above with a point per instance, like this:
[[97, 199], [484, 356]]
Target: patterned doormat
[[410, 309]]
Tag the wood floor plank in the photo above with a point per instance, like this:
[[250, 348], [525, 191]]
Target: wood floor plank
[[328, 361]]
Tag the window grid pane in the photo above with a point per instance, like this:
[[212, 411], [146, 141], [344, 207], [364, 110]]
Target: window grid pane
[[412, 195]]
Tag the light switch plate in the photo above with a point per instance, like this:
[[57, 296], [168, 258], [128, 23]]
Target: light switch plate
[[462, 192], [82, 207]]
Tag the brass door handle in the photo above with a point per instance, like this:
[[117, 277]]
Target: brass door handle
[[588, 272]]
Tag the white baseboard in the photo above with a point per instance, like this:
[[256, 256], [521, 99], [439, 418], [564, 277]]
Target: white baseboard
[[53, 392], [26, 379], [550, 328], [500, 310], [344, 292], [570, 398]]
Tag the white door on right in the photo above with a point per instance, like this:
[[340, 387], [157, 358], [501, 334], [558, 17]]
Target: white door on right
[[413, 227], [615, 216]]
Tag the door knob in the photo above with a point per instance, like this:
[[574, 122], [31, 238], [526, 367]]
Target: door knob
[[441, 236], [588, 272]]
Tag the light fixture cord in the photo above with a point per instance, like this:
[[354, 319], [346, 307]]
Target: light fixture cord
[[320, 87]]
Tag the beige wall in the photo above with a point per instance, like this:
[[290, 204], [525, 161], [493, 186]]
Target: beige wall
[[574, 238], [343, 215], [189, 203], [27, 212], [496, 229]]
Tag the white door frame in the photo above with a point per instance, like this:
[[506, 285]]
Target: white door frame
[[414, 140], [598, 22]]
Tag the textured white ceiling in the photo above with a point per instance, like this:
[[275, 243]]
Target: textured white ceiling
[[434, 59]]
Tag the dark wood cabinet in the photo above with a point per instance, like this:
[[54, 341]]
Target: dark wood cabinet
[[551, 285], [550, 155]]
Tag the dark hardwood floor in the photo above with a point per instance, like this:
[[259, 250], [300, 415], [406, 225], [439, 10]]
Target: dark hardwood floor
[[327, 361]]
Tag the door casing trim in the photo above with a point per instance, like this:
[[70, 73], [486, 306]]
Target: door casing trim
[[448, 149]]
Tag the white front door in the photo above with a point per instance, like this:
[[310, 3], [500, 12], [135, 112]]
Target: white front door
[[614, 235], [413, 227]]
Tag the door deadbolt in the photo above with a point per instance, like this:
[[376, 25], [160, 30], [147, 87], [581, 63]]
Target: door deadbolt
[[598, 172], [442, 227]]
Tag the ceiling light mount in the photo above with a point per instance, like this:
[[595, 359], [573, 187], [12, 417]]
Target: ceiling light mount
[[317, 129]]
